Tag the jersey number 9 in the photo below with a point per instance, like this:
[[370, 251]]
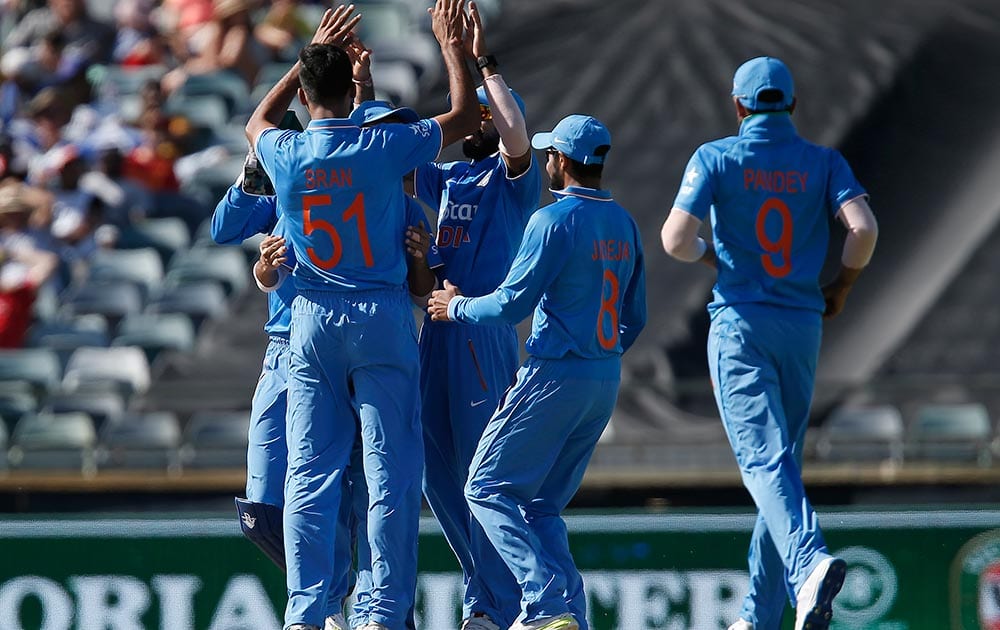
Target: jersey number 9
[[310, 225], [781, 247]]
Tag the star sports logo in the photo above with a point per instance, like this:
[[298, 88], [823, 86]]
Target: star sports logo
[[689, 178]]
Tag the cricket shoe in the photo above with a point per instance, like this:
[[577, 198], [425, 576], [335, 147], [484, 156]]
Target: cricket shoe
[[374, 626], [741, 624], [303, 626], [564, 621], [814, 602], [479, 621], [336, 622]]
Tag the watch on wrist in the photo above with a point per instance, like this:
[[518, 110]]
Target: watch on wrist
[[486, 61]]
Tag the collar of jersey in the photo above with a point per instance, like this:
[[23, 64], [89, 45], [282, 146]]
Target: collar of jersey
[[770, 124], [331, 123], [598, 194]]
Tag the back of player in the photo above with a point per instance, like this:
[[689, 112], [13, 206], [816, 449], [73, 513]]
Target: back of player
[[770, 196], [580, 266]]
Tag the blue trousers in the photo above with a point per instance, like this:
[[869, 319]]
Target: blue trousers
[[353, 355], [267, 457], [528, 466], [464, 371], [763, 363]]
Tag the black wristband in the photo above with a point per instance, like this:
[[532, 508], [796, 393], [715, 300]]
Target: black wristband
[[485, 61]]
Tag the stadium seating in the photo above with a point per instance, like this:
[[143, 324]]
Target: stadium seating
[[125, 368], [199, 301], [100, 404], [869, 434], [156, 332], [142, 268], [227, 266], [65, 335], [38, 366], [54, 441], [141, 441], [17, 398], [3, 447], [167, 235], [112, 301], [216, 440], [951, 433]]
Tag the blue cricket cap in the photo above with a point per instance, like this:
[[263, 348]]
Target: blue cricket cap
[[582, 138], [481, 95], [371, 112], [485, 102], [760, 75]]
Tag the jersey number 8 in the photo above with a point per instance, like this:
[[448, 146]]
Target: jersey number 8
[[608, 306]]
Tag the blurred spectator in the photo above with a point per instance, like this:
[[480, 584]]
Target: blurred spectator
[[137, 43], [226, 43], [283, 30], [125, 201], [39, 131], [24, 267], [152, 162], [87, 39]]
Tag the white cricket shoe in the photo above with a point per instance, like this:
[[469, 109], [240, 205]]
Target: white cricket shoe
[[814, 601], [479, 621], [562, 622], [741, 624], [375, 626], [336, 622]]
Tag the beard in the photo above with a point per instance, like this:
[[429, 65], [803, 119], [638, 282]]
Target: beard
[[556, 181], [481, 144]]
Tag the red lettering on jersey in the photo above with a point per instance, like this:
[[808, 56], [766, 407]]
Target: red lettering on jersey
[[747, 178], [310, 179], [611, 250], [775, 181]]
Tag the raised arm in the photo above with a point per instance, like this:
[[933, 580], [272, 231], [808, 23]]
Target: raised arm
[[335, 28], [448, 23], [507, 117]]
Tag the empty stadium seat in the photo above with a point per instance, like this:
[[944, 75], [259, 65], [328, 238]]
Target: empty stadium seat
[[951, 433], [156, 332], [54, 441], [113, 301], [38, 366], [216, 439], [141, 440], [126, 367], [203, 110], [862, 433], [227, 266], [3, 446], [141, 267], [83, 330], [200, 301], [226, 85], [167, 235], [15, 404], [100, 405]]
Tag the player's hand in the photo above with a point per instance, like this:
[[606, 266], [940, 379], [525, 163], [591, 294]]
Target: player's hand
[[361, 60], [336, 26], [448, 22], [273, 252], [437, 306], [418, 241], [835, 296], [475, 36]]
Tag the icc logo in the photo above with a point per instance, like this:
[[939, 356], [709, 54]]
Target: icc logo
[[975, 584]]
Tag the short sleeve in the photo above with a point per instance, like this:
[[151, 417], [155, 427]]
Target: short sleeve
[[695, 194], [409, 146], [267, 146], [526, 188], [842, 185]]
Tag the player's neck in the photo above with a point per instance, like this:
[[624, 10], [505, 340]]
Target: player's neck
[[319, 112], [583, 182]]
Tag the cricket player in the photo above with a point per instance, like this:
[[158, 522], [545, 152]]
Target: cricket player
[[353, 339], [770, 194], [483, 206], [580, 267]]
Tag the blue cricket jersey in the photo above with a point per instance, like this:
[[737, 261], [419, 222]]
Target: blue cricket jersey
[[238, 217], [481, 217], [770, 194], [340, 187], [581, 263]]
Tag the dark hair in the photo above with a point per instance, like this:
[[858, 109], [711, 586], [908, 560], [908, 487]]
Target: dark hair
[[325, 74], [590, 171], [770, 97]]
